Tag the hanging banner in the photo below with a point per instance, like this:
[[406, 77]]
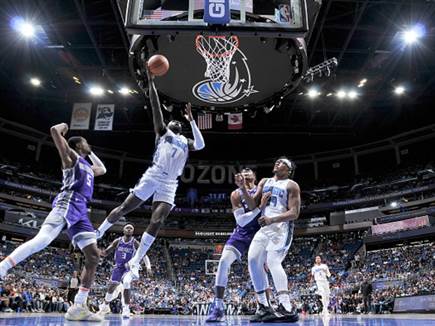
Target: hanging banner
[[104, 117], [80, 117]]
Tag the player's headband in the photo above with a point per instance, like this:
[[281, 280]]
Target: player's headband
[[128, 225], [286, 162]]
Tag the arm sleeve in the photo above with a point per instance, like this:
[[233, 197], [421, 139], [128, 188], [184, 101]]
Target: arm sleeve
[[147, 262], [198, 140], [243, 218], [97, 162]]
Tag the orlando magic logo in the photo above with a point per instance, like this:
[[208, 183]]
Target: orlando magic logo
[[228, 74]]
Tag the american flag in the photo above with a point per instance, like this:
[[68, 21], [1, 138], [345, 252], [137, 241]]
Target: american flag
[[205, 121]]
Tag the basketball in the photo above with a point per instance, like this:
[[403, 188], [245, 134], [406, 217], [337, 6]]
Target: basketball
[[158, 65]]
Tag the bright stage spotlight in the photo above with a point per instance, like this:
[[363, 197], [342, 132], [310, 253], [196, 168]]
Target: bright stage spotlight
[[96, 91], [399, 90], [23, 27], [414, 34], [35, 82], [313, 93], [124, 91], [341, 94], [352, 94]]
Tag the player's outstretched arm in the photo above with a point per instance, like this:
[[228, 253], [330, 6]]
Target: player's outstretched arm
[[110, 248], [67, 155], [159, 124], [97, 165], [198, 141], [294, 207]]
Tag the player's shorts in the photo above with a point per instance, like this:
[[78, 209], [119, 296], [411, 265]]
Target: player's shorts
[[323, 288], [275, 240], [239, 243], [118, 273], [155, 183], [70, 210]]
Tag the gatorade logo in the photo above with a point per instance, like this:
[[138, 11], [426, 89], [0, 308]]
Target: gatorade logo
[[216, 8], [217, 12]]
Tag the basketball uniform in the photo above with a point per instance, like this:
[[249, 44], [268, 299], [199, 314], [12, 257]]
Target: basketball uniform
[[276, 236], [320, 272], [70, 205], [123, 253], [242, 236], [160, 179]]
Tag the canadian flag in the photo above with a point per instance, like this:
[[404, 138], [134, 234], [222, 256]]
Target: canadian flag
[[235, 121]]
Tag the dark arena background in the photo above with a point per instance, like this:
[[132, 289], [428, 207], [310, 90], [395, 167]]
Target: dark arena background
[[345, 89]]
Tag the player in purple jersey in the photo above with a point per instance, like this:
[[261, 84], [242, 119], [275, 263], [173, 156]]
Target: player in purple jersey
[[238, 243], [70, 211], [124, 248]]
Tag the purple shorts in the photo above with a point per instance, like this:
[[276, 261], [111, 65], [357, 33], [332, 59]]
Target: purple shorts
[[241, 243], [118, 273], [71, 209]]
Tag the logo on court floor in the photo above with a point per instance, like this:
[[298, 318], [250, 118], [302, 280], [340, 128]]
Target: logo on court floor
[[228, 79]]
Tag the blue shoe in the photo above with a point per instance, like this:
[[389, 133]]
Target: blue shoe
[[216, 315]]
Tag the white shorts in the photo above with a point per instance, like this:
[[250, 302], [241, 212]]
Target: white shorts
[[274, 241], [154, 183], [323, 288]]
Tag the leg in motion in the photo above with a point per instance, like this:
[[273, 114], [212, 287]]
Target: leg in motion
[[80, 311], [160, 212], [45, 236], [229, 256]]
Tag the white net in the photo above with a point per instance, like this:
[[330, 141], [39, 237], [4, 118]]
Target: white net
[[217, 52]]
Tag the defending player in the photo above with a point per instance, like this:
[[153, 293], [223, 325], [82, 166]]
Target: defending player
[[70, 211], [272, 242], [238, 243], [320, 272], [160, 180], [124, 248]]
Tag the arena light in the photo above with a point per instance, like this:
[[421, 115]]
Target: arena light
[[399, 90], [25, 28], [414, 34], [394, 204], [35, 82], [313, 93], [362, 82], [109, 91], [124, 91], [96, 91], [352, 94], [341, 94]]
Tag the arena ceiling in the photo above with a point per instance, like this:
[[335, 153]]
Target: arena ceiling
[[85, 39]]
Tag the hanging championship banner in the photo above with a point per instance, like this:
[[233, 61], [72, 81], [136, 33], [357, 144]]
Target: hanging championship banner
[[80, 117], [104, 117]]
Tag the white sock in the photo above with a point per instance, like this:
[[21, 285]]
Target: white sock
[[109, 297], [220, 302], [81, 296], [284, 299], [106, 225], [262, 298], [145, 243]]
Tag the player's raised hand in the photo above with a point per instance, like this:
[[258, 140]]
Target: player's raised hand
[[265, 199], [188, 112], [149, 74], [239, 180]]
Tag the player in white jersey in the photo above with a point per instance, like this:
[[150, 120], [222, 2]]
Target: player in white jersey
[[159, 180], [320, 272], [272, 242]]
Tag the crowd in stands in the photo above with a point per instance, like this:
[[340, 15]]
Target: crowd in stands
[[399, 180], [179, 281]]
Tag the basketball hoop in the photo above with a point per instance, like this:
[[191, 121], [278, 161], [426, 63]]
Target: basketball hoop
[[217, 52]]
